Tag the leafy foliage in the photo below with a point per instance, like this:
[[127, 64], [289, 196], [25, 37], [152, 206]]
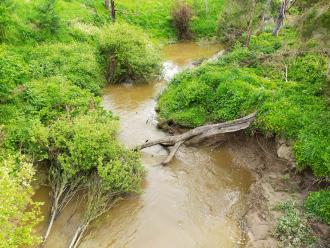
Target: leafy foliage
[[244, 80], [5, 7], [211, 94], [84, 142], [129, 53], [76, 62], [318, 204], [53, 97], [13, 72], [47, 19], [18, 214]]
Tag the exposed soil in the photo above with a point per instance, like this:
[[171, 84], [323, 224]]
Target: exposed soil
[[277, 181]]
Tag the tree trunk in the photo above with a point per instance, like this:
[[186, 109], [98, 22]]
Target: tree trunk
[[78, 236], [111, 70], [50, 224], [58, 191], [281, 17], [113, 10], [199, 134]]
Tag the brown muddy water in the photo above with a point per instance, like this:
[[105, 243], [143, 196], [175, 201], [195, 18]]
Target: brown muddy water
[[194, 202]]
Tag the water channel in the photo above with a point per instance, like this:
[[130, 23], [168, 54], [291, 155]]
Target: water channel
[[194, 202]]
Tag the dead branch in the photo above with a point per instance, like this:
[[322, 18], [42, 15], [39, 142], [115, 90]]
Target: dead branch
[[199, 134]]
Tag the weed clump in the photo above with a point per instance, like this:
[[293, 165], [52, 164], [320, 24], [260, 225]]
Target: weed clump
[[292, 228]]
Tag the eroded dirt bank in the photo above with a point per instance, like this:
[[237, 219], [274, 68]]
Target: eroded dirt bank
[[276, 181]]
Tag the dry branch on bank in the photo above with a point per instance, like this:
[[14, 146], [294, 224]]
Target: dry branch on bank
[[199, 134]]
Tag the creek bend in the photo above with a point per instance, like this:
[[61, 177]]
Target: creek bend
[[194, 202]]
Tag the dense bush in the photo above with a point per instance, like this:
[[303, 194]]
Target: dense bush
[[244, 80], [211, 94], [75, 62], [318, 204], [4, 19], [47, 18], [129, 53], [265, 43], [13, 72], [310, 69], [18, 214], [51, 98], [312, 147]]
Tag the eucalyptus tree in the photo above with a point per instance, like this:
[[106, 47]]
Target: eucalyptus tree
[[281, 16], [240, 17], [111, 6]]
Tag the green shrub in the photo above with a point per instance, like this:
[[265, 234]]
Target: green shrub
[[265, 43], [48, 20], [313, 144], [51, 98], [310, 69], [84, 142], [129, 53], [5, 8], [19, 215], [292, 228], [28, 135], [211, 94], [13, 72], [75, 62], [318, 204]]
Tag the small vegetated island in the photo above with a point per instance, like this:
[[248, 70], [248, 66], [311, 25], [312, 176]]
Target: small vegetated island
[[57, 55]]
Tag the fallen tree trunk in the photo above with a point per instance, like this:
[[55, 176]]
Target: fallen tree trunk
[[199, 134]]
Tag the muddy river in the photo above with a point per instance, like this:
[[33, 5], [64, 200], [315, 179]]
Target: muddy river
[[194, 202]]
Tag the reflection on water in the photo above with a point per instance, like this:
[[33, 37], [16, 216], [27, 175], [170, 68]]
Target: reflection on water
[[191, 203]]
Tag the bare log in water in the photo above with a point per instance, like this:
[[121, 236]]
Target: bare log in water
[[199, 134]]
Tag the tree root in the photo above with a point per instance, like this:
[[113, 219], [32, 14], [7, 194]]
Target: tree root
[[199, 134]]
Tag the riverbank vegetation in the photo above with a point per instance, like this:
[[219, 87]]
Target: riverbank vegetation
[[57, 55], [281, 75]]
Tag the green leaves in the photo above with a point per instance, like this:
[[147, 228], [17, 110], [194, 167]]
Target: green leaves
[[129, 53], [18, 214], [212, 94], [82, 143], [318, 204]]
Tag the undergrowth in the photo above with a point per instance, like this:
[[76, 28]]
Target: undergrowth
[[287, 89]]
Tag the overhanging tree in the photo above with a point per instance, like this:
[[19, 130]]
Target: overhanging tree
[[119, 172], [75, 148]]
